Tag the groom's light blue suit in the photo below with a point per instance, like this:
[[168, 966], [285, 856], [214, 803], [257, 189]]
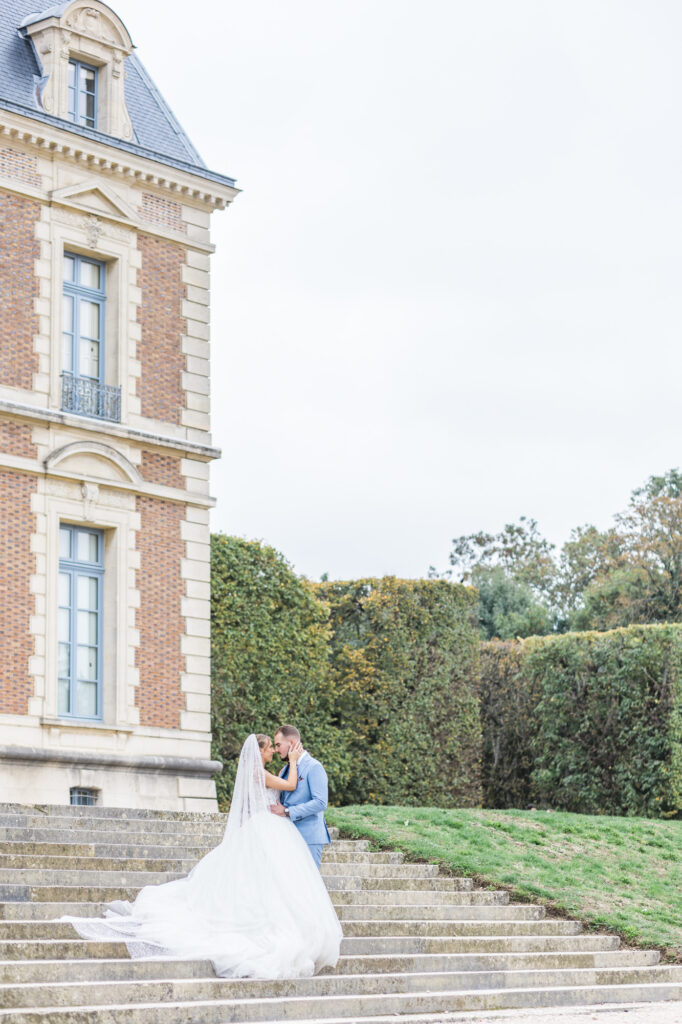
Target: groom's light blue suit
[[307, 803]]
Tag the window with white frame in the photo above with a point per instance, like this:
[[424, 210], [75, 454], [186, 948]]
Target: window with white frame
[[83, 329], [81, 577], [82, 93], [83, 316]]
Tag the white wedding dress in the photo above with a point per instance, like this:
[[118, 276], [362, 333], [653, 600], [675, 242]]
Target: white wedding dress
[[255, 906]]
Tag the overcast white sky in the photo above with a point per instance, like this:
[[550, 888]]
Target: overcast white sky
[[449, 294]]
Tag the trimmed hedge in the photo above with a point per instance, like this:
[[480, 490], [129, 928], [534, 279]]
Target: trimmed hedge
[[270, 640], [508, 703], [404, 665], [604, 732]]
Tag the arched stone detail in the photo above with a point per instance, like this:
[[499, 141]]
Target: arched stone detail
[[125, 470]]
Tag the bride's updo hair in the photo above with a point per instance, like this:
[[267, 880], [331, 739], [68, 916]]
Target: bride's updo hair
[[263, 740]]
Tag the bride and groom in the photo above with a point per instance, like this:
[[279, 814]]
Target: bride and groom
[[256, 905]]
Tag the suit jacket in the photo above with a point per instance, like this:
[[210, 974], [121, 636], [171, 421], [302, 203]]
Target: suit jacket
[[307, 803]]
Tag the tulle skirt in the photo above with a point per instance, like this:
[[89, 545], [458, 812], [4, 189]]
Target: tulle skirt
[[255, 906]]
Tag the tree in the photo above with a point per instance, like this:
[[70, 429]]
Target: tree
[[518, 549], [507, 608]]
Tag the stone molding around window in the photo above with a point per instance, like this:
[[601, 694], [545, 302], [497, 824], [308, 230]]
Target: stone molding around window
[[90, 32]]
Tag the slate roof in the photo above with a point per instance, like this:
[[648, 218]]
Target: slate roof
[[156, 131]]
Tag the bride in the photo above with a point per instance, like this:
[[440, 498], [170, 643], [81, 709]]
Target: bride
[[255, 906]]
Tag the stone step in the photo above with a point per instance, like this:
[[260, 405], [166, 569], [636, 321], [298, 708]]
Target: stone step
[[435, 912], [499, 961], [407, 897], [28, 929], [73, 971], [392, 882], [76, 948], [340, 894], [345, 1007], [121, 824], [477, 944], [10, 864], [46, 876], [95, 811], [98, 993], [66, 844], [23, 910], [110, 837], [346, 864]]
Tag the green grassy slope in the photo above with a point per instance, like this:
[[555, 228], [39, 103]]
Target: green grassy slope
[[624, 874]]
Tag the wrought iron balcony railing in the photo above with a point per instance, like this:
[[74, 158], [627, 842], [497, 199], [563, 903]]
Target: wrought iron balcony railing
[[90, 398]]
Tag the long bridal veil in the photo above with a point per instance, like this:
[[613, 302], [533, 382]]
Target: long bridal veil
[[255, 906]]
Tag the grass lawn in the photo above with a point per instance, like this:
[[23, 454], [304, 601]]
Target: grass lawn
[[624, 874]]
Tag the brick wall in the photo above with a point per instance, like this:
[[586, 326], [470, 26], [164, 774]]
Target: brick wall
[[18, 289], [17, 564], [162, 326], [159, 620], [18, 165], [16, 439], [161, 469], [157, 210]]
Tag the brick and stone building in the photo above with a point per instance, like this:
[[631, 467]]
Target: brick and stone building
[[105, 441]]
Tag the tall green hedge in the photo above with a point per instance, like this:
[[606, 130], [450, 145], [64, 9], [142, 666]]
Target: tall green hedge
[[604, 721], [270, 640], [404, 664], [378, 674], [508, 699]]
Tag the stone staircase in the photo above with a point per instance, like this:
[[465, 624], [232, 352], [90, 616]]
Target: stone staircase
[[417, 944]]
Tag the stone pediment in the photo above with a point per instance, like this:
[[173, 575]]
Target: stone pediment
[[94, 197]]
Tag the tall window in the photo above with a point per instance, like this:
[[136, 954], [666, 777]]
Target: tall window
[[82, 93], [81, 571], [83, 317], [83, 387]]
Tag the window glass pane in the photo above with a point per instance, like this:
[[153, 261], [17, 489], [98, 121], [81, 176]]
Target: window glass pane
[[87, 593], [86, 699], [64, 661], [86, 658], [90, 275], [89, 315], [69, 264], [89, 359], [72, 74], [88, 546], [87, 627], [87, 78], [67, 314], [64, 589], [67, 353], [89, 112], [64, 702], [64, 543], [64, 616]]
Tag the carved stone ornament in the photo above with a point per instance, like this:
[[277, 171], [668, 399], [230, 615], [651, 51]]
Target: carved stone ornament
[[90, 494], [93, 229]]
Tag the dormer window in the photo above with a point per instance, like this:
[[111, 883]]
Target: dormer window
[[81, 48], [82, 93]]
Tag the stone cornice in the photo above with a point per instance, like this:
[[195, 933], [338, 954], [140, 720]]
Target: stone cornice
[[188, 184], [85, 758], [202, 452]]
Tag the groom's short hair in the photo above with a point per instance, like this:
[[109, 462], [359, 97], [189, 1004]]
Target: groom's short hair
[[290, 732]]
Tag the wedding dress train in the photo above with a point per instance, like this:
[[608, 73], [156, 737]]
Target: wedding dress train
[[255, 906]]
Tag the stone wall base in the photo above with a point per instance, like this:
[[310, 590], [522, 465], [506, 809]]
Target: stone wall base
[[32, 775]]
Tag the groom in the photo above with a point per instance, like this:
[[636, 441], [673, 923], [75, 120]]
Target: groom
[[306, 804]]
